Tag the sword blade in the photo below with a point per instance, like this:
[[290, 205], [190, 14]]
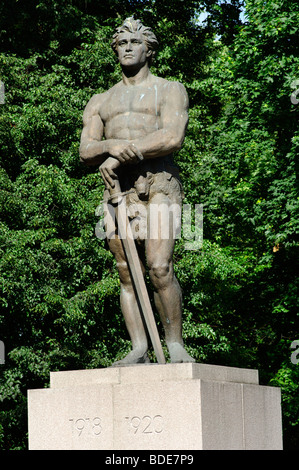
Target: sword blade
[[130, 250]]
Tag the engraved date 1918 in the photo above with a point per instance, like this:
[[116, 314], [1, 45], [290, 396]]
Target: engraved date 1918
[[88, 426], [145, 424]]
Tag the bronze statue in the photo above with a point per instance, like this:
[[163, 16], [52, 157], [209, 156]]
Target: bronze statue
[[143, 120]]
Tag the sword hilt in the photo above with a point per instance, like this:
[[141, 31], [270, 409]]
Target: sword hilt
[[115, 193]]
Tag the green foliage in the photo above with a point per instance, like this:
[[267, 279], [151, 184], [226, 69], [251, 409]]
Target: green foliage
[[58, 283]]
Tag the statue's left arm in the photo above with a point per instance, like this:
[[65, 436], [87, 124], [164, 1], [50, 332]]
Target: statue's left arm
[[174, 121]]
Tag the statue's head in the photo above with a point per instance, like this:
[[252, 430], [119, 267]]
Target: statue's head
[[132, 26]]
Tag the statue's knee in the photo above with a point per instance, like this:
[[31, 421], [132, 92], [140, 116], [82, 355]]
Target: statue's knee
[[159, 274], [123, 271]]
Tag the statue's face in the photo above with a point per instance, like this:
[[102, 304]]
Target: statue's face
[[132, 49]]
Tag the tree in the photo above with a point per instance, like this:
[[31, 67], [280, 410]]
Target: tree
[[246, 179]]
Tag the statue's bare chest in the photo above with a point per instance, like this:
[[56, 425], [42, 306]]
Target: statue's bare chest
[[136, 99]]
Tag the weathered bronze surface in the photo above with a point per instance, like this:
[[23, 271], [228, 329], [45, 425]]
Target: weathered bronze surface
[[131, 132]]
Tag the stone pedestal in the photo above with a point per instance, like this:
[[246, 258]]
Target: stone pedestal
[[155, 407]]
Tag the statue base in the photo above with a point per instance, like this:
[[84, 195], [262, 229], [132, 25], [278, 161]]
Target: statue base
[[155, 407]]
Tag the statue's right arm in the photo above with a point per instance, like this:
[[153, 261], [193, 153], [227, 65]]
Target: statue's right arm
[[93, 150]]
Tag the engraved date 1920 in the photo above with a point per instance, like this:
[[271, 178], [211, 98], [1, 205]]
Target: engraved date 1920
[[145, 424], [87, 426]]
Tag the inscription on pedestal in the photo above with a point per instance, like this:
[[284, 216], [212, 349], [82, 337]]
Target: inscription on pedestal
[[145, 424], [86, 426]]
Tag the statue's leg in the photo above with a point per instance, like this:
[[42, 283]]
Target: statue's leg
[[168, 295], [130, 309]]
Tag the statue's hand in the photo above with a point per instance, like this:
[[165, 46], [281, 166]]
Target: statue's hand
[[107, 171], [124, 151]]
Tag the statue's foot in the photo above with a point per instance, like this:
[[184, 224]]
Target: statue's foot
[[134, 357], [178, 353]]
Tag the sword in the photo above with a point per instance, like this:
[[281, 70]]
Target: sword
[[128, 242]]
